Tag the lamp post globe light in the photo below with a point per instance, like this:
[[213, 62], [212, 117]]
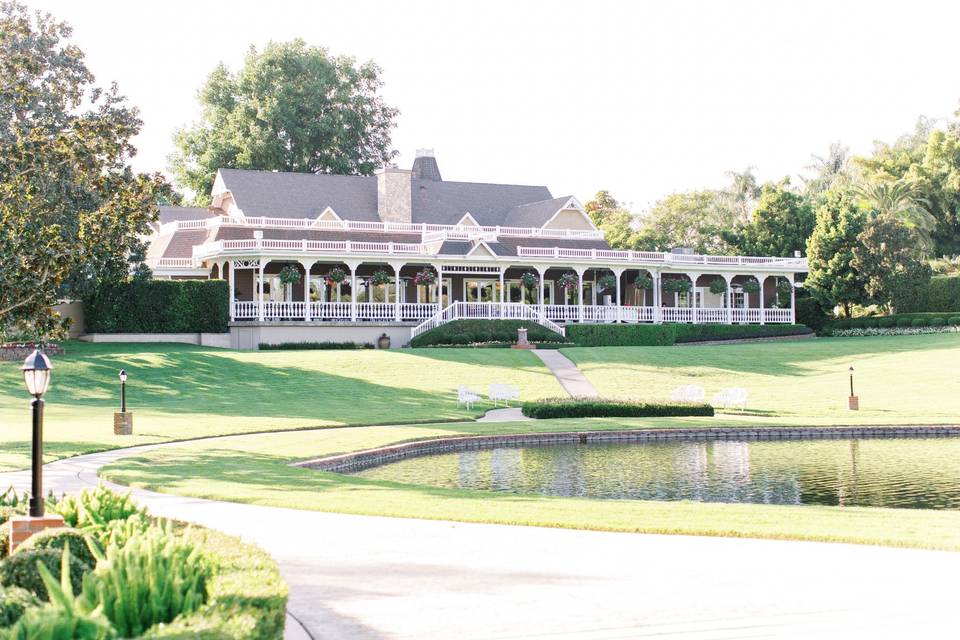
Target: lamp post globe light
[[36, 375], [123, 391], [853, 402]]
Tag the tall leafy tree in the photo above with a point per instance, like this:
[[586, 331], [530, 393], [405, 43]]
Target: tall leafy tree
[[742, 193], [72, 212], [292, 107], [829, 172], [833, 280], [902, 201], [779, 225], [695, 219], [890, 264]]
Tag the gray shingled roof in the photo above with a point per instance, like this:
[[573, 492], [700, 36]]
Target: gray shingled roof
[[535, 214], [446, 202], [302, 195]]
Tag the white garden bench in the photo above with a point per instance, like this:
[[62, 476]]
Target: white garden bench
[[688, 393], [466, 396], [504, 393], [732, 397]]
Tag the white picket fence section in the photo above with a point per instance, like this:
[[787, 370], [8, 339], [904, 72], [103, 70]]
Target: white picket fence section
[[487, 311]]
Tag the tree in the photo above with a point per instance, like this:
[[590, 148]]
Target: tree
[[602, 207], [833, 280], [292, 107], [901, 201], [830, 172], [890, 264], [742, 194], [695, 219], [779, 225], [71, 210]]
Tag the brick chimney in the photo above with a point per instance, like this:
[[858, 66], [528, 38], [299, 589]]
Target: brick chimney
[[393, 194]]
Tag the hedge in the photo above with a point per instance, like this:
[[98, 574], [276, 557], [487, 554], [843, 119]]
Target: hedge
[[901, 320], [811, 314], [159, 306], [943, 294], [320, 346], [466, 332], [645, 335], [611, 408]]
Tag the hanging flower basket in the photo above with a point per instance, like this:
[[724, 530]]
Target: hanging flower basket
[[425, 277], [751, 286], [529, 280], [568, 281], [607, 282], [677, 285], [718, 286], [336, 276], [643, 281], [380, 277], [289, 275]]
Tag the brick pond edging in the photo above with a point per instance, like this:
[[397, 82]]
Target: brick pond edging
[[357, 461]]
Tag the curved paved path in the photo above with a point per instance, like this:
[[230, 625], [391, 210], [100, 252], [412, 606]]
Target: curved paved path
[[373, 577], [570, 377]]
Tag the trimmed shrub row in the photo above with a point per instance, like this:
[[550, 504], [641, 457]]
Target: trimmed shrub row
[[644, 335], [159, 306], [465, 332], [322, 346], [902, 321], [611, 408], [943, 294]]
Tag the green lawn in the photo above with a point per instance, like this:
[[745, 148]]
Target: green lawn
[[255, 469], [900, 379], [182, 391]]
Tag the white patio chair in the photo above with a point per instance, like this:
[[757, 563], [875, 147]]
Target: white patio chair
[[688, 393], [503, 392], [466, 396], [731, 397]]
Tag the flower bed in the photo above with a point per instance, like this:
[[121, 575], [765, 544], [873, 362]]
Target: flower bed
[[892, 331], [137, 577]]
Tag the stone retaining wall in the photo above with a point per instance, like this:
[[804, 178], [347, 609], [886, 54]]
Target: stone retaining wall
[[350, 462]]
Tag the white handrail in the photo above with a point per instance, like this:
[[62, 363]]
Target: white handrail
[[655, 256], [486, 311]]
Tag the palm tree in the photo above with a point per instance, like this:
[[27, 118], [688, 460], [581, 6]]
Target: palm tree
[[828, 170], [742, 193], [902, 201]]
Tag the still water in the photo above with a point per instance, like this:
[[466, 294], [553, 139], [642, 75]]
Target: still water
[[902, 472]]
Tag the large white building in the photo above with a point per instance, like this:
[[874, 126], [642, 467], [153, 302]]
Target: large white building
[[404, 250]]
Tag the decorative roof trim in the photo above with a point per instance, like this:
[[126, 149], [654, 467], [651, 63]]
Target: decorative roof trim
[[477, 244], [324, 215], [572, 204], [466, 216]]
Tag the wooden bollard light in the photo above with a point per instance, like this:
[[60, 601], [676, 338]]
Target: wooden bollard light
[[854, 401], [123, 419]]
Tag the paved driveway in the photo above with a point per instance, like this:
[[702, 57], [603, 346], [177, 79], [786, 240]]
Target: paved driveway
[[373, 577]]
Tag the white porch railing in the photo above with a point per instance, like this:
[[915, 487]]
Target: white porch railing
[[657, 257], [676, 314], [330, 310], [741, 316], [486, 311], [778, 315]]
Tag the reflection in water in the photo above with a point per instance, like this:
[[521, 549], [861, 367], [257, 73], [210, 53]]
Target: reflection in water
[[906, 473]]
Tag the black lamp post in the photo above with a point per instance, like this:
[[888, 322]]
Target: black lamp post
[[851, 381], [123, 391], [853, 402], [36, 375]]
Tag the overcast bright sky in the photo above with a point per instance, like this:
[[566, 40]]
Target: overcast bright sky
[[641, 98]]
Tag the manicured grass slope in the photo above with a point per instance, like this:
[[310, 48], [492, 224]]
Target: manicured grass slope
[[181, 391], [906, 379], [255, 469]]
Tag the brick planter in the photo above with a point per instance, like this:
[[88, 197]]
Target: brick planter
[[19, 352], [22, 527]]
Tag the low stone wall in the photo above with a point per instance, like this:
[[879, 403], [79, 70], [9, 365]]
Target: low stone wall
[[17, 353], [221, 340], [360, 460], [249, 335]]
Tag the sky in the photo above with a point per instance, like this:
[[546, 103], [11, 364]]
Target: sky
[[640, 98]]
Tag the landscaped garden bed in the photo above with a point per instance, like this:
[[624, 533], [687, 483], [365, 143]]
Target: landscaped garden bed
[[115, 572]]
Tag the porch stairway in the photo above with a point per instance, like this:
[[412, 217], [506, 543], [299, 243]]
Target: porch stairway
[[486, 311]]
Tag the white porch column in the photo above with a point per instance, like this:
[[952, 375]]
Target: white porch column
[[693, 296], [729, 280], [233, 310], [541, 273], [618, 273], [580, 272], [307, 265], [502, 296], [396, 289], [763, 314], [439, 269], [657, 311], [263, 264], [793, 299], [353, 289]]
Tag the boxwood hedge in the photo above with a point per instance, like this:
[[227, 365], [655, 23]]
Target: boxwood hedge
[[644, 335], [159, 306], [611, 408], [902, 320], [464, 332]]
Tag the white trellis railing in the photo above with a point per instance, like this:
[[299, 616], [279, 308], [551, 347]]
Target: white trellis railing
[[486, 311]]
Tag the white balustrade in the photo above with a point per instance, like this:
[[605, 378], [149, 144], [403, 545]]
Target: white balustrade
[[775, 316], [706, 315], [330, 310], [283, 310], [376, 311], [677, 314], [244, 310], [744, 316]]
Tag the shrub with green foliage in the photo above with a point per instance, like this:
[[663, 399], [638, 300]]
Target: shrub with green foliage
[[938, 322], [159, 306], [471, 331], [95, 508], [886, 322], [954, 321], [943, 294], [151, 579], [20, 570], [710, 332], [58, 539], [920, 322], [13, 602], [304, 346], [611, 408], [4, 539], [810, 313], [625, 335]]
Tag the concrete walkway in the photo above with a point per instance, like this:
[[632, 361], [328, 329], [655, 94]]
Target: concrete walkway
[[567, 373], [372, 577]]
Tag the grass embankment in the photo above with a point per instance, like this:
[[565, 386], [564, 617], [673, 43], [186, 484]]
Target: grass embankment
[[255, 469], [181, 391]]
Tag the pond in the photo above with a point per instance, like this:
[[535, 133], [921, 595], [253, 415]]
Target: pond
[[915, 473]]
